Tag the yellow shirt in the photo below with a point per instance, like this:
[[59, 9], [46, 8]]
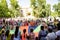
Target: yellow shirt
[[9, 37]]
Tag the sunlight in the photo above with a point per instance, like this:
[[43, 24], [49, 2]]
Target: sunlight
[[0, 0], [24, 3]]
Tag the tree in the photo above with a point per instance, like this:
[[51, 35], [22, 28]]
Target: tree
[[6, 12], [14, 3], [39, 7], [57, 8], [15, 8], [48, 10], [4, 9]]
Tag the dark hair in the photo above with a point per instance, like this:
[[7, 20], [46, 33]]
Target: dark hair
[[50, 30], [16, 31], [28, 37], [58, 26], [24, 31], [12, 36], [31, 30], [2, 31], [42, 27], [4, 20], [7, 33], [28, 21], [50, 19], [3, 27], [36, 38]]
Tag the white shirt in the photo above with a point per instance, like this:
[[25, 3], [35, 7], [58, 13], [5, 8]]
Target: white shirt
[[51, 36], [58, 33]]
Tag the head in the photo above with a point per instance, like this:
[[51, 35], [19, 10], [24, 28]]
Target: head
[[50, 19], [7, 33], [3, 27], [31, 30], [17, 28], [3, 31], [3, 20], [20, 20], [6, 22], [36, 38], [16, 31], [42, 27], [50, 30], [24, 31], [58, 25], [28, 21], [12, 36]]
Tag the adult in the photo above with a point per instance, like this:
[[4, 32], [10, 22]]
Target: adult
[[24, 35], [31, 35], [17, 34], [8, 36], [3, 36], [51, 35], [42, 34], [58, 32]]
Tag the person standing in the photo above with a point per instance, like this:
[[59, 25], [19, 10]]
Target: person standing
[[24, 35], [31, 35], [17, 33], [58, 32], [42, 34], [8, 36], [51, 35], [3, 36]]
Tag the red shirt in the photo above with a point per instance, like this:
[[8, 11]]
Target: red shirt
[[24, 36]]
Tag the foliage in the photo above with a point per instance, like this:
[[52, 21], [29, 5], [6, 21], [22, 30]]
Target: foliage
[[40, 8], [57, 8], [48, 10], [6, 12], [15, 8], [4, 9], [54, 14]]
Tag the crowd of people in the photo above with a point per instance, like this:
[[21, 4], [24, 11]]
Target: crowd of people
[[49, 30]]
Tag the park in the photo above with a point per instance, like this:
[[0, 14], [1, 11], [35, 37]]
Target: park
[[29, 19]]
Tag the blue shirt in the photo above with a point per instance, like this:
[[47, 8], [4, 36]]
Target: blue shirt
[[31, 27]]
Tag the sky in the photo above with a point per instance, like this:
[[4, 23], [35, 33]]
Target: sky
[[52, 2], [26, 3]]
